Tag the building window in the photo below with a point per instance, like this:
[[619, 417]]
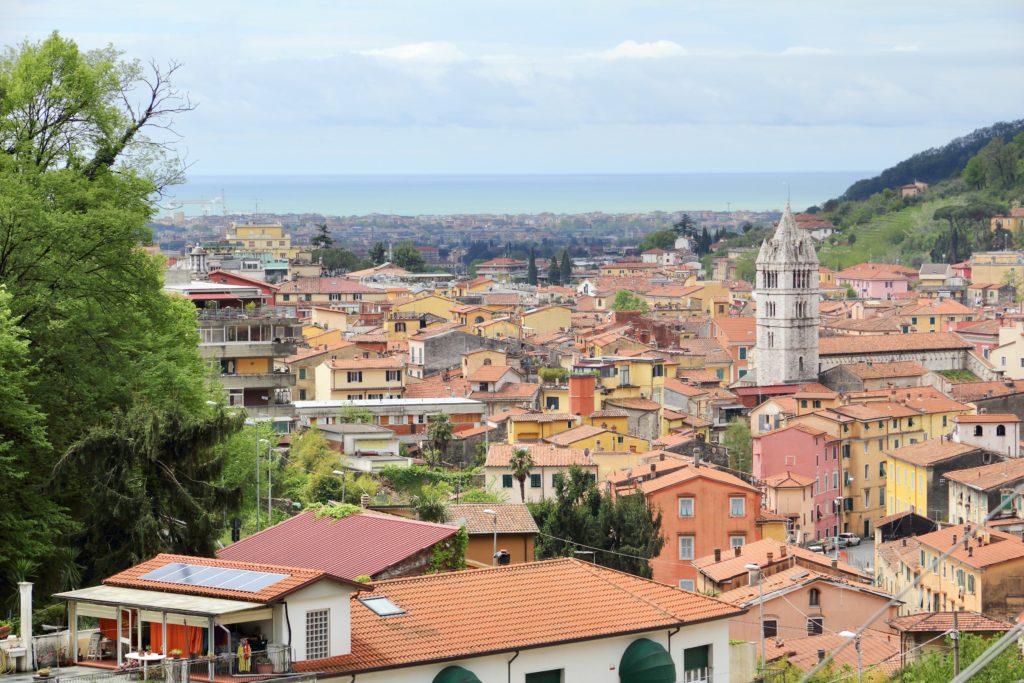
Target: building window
[[1001, 430], [814, 597], [686, 547], [771, 628], [867, 471], [355, 376], [737, 507], [720, 373], [970, 583], [302, 394], [817, 403], [881, 469], [686, 584], [399, 327], [534, 481], [302, 373], [815, 626], [551, 402], [506, 481], [686, 507], [945, 420], [743, 353], [835, 479], [317, 633], [737, 541], [393, 375], [978, 431], [552, 676]]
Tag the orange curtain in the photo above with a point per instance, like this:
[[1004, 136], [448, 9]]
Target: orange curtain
[[108, 627], [188, 639]]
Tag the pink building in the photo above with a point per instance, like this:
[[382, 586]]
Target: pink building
[[804, 450], [874, 280]]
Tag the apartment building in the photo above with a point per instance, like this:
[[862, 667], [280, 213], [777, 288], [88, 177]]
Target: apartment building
[[360, 378]]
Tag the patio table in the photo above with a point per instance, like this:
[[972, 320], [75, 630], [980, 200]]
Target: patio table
[[145, 659]]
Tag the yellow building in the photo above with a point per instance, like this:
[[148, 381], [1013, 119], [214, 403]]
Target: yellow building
[[328, 318], [554, 397], [470, 316], [627, 377], [359, 379], [474, 360], [629, 269], [317, 336], [597, 439], [936, 411], [933, 316], [262, 238], [992, 267], [615, 419], [310, 292], [533, 427], [499, 328], [436, 304], [865, 434], [914, 473], [305, 361], [547, 319]]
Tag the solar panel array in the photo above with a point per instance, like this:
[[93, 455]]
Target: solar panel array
[[214, 577]]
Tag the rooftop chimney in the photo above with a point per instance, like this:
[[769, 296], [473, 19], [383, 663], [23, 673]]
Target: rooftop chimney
[[654, 467], [782, 551], [835, 563], [954, 539], [771, 556], [821, 655], [904, 543], [736, 550], [970, 551], [718, 554]]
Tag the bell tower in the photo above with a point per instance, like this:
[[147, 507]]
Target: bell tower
[[786, 293]]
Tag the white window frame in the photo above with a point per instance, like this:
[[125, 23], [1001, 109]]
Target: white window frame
[[687, 585], [692, 506], [737, 537], [692, 544], [743, 506]]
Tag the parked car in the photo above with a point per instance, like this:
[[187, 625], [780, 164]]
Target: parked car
[[851, 539], [817, 548]]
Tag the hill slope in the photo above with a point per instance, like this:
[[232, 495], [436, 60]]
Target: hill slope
[[936, 164]]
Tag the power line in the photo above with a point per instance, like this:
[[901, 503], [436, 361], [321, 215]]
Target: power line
[[927, 569]]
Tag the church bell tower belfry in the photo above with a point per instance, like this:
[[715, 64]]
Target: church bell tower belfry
[[786, 293]]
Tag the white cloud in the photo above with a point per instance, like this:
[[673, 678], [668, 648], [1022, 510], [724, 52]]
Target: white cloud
[[433, 52], [802, 50], [630, 49]]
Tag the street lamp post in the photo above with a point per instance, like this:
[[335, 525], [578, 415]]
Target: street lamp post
[[270, 484], [342, 475], [856, 646], [494, 553], [753, 568], [259, 441]]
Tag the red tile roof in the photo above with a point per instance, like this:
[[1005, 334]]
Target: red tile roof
[[879, 651], [471, 613], [987, 477], [864, 344], [930, 452], [933, 622], [689, 473], [513, 518], [363, 543], [296, 578], [988, 418], [1002, 547], [543, 454], [757, 553], [388, 362]]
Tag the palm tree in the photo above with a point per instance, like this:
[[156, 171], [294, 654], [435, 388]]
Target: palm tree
[[521, 463]]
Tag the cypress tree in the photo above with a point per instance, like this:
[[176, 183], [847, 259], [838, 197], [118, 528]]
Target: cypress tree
[[566, 269], [531, 268]]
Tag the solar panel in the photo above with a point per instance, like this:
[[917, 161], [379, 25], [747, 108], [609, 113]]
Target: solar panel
[[242, 580]]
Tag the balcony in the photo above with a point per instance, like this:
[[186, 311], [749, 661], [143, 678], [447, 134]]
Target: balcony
[[265, 380], [281, 348], [270, 410]]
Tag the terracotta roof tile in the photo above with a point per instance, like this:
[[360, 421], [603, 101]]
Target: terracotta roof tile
[[634, 403], [932, 622], [988, 418], [689, 473], [469, 613], [880, 651], [571, 436], [757, 553], [543, 454], [1003, 547], [886, 370], [490, 373], [387, 362], [928, 341], [986, 477], [513, 518], [930, 452]]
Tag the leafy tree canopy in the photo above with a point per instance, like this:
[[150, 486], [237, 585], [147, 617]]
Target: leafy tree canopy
[[626, 300]]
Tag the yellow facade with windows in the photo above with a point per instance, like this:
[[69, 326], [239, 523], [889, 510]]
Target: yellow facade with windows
[[440, 306], [907, 487], [547, 319], [524, 429]]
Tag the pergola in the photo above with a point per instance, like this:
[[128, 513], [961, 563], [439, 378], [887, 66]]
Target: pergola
[[109, 602]]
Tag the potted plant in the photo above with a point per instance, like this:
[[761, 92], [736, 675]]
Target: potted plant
[[174, 654], [5, 629], [263, 665], [44, 672]]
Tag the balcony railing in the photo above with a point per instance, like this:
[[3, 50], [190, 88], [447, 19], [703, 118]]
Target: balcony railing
[[269, 380], [259, 313]]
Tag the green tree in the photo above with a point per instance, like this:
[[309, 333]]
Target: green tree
[[553, 375], [152, 476], [531, 268], [662, 239], [354, 415], [33, 524], [439, 433], [746, 266], [565, 270], [937, 667], [431, 503], [311, 451], [554, 271], [378, 253], [336, 260], [626, 300], [521, 462], [407, 256], [685, 226], [322, 239], [737, 442]]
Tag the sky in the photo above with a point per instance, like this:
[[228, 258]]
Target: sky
[[573, 86]]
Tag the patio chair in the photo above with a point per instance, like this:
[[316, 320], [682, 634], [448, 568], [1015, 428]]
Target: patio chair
[[93, 651]]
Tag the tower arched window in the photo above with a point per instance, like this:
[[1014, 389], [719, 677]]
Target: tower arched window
[[1001, 430], [771, 339], [978, 431], [800, 363]]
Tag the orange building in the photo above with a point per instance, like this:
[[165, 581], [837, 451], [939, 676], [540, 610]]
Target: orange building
[[702, 509]]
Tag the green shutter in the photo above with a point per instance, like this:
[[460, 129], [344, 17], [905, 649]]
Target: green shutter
[[645, 661], [455, 674]]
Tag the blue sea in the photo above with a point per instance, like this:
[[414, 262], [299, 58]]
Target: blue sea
[[411, 195]]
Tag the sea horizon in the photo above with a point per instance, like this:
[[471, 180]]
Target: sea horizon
[[505, 193]]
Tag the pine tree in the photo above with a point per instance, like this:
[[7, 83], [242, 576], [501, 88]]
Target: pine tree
[[554, 272], [531, 268], [378, 253], [566, 269]]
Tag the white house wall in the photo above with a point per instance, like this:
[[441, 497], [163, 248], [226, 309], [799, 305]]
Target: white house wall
[[321, 595], [592, 661]]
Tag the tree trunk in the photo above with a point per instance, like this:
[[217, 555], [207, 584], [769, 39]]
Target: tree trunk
[[522, 489]]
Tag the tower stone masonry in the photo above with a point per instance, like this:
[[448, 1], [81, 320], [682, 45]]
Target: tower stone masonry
[[786, 292]]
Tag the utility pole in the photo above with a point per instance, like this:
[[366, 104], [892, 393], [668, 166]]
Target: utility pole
[[955, 635]]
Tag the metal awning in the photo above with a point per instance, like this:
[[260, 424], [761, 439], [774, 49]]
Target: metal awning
[[158, 601]]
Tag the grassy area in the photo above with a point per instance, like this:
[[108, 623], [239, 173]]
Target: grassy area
[[904, 236], [959, 376]]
